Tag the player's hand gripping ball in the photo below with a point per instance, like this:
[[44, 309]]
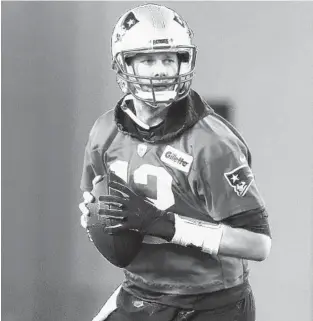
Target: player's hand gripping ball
[[132, 211], [119, 249]]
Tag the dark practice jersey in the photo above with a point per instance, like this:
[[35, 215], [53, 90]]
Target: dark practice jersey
[[203, 173]]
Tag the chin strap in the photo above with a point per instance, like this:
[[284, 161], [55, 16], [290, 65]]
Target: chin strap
[[165, 95], [131, 114]]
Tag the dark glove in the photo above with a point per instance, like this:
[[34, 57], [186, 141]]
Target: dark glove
[[132, 211]]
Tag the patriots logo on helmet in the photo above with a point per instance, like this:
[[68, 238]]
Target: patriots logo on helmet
[[240, 179], [179, 20], [130, 21]]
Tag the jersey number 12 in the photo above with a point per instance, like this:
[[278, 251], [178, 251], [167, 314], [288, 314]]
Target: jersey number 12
[[164, 194]]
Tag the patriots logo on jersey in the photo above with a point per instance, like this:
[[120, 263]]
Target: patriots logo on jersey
[[240, 179]]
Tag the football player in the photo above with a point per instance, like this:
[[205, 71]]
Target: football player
[[183, 179]]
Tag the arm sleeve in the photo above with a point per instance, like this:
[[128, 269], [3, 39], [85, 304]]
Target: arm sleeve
[[227, 185], [254, 221]]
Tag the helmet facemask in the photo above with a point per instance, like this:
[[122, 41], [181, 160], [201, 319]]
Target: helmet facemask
[[146, 88]]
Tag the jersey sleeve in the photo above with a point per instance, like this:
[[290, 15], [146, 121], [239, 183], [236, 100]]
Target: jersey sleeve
[[93, 164], [88, 173], [254, 221], [227, 184]]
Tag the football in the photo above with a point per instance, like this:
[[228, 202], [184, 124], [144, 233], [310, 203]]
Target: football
[[119, 249]]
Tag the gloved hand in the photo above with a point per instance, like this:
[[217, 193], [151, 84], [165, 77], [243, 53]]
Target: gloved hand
[[133, 212]]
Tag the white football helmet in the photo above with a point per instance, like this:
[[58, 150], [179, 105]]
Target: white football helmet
[[153, 28]]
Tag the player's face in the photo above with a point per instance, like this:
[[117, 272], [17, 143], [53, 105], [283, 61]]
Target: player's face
[[156, 65]]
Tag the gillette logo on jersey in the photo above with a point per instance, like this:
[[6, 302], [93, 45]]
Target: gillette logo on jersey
[[240, 179], [177, 159]]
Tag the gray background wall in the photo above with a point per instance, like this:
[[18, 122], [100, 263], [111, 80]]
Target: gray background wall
[[56, 80]]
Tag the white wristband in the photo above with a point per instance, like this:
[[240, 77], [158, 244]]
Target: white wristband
[[204, 235]]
